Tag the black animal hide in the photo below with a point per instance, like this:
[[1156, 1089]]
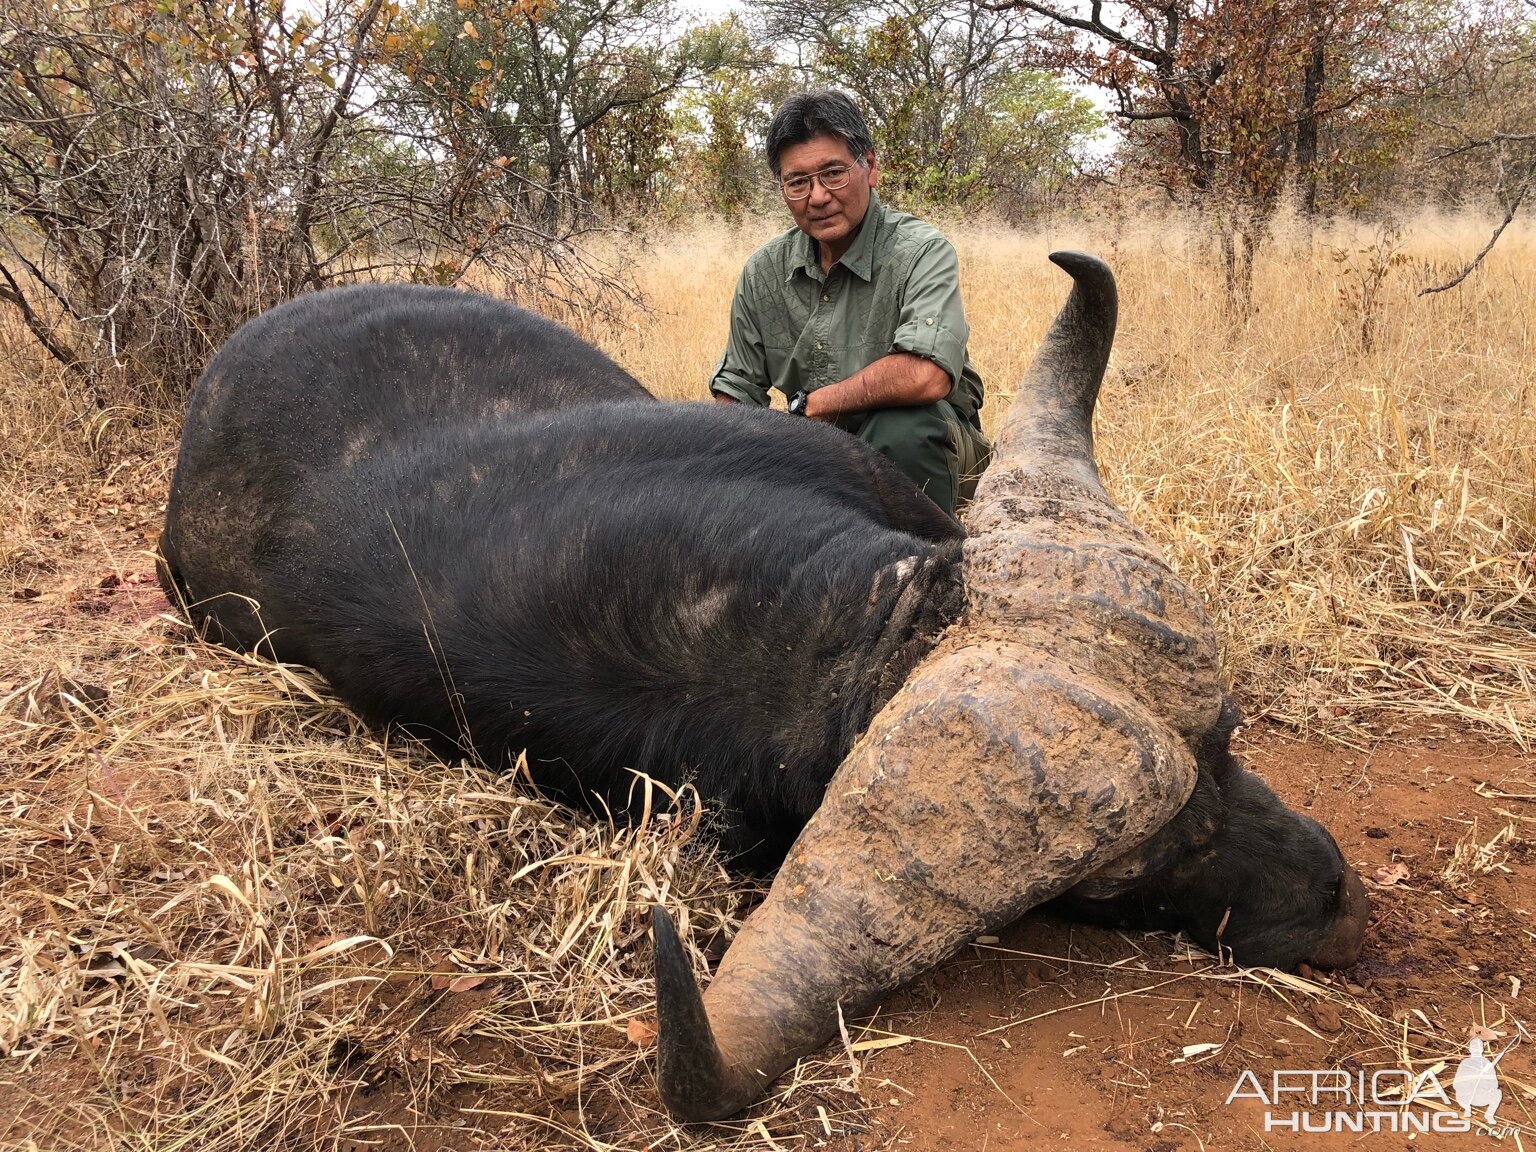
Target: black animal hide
[[477, 526]]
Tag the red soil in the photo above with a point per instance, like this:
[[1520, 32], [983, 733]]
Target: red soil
[[1017, 1051]]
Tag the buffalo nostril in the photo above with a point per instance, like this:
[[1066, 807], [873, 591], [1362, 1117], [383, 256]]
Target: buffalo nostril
[[1341, 947]]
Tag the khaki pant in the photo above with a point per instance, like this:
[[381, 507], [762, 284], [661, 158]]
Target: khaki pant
[[933, 445]]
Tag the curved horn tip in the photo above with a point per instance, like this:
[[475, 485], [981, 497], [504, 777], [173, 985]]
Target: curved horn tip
[[693, 1080], [1083, 266]]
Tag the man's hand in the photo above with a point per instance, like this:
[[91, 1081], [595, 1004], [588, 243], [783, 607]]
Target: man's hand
[[722, 398], [899, 380]]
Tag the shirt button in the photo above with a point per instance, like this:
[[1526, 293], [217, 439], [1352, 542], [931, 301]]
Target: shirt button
[[818, 345], [930, 321], [826, 299]]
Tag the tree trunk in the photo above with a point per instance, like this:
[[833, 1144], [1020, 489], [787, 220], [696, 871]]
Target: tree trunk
[[1306, 125], [1237, 248]]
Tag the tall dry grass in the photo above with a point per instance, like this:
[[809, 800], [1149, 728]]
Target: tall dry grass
[[231, 919]]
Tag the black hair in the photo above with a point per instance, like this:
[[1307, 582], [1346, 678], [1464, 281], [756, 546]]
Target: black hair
[[819, 112]]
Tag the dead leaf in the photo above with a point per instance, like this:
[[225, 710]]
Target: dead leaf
[[1326, 1016], [358, 949], [1391, 874], [1483, 1032], [447, 978], [641, 1033], [109, 962]]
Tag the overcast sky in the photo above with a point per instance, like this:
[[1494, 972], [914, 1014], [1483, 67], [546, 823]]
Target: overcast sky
[[708, 9]]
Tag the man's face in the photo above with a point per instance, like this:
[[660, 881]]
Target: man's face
[[830, 218]]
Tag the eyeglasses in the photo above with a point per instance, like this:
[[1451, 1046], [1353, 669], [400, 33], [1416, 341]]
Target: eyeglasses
[[832, 179]]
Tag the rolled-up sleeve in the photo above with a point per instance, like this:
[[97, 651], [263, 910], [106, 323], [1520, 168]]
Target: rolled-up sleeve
[[742, 372], [932, 323]]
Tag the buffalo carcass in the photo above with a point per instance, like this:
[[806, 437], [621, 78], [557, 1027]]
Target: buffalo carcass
[[477, 526]]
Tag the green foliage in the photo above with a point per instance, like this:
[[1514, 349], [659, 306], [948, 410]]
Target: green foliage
[[720, 121], [957, 119], [548, 107], [1034, 139]]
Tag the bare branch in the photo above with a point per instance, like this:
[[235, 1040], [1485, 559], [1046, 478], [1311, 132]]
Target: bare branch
[[13, 294], [1509, 214], [1162, 114], [1094, 24]]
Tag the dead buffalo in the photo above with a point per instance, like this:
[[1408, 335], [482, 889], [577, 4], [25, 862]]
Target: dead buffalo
[[477, 526]]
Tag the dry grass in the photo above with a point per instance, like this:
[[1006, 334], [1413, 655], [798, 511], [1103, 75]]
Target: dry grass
[[1473, 855], [237, 920], [233, 919]]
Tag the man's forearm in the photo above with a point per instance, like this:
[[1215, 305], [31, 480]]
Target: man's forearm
[[899, 380]]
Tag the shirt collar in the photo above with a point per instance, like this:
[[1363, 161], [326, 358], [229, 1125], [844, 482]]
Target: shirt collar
[[860, 257]]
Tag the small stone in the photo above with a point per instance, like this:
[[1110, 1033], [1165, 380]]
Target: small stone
[[1326, 1017]]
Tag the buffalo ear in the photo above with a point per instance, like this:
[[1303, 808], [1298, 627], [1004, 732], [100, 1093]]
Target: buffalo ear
[[903, 506], [1181, 846], [1201, 820]]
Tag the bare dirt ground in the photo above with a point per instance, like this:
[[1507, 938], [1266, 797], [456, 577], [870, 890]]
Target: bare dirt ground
[[1065, 1036], [1051, 1035]]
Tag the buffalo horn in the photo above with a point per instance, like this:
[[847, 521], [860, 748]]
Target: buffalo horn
[[1043, 737]]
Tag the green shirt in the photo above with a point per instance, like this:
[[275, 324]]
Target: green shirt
[[896, 289]]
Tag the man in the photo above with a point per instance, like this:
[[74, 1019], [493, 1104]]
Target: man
[[855, 313]]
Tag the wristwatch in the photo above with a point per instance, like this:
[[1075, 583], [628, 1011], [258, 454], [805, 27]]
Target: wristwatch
[[797, 403]]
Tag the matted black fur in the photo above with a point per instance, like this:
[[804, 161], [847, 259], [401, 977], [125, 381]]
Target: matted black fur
[[476, 525]]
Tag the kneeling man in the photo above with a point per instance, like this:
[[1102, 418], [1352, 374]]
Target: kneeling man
[[855, 313]]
